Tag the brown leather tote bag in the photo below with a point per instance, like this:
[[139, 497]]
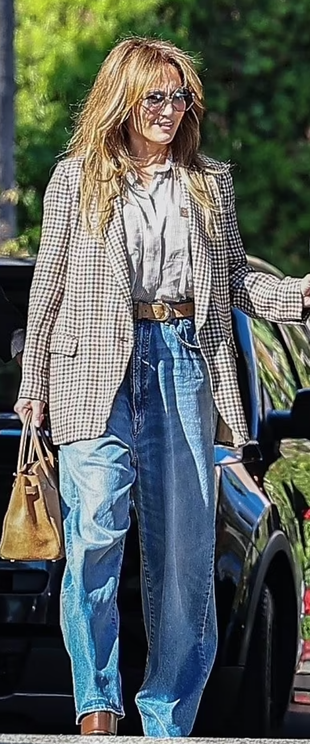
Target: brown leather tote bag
[[32, 527]]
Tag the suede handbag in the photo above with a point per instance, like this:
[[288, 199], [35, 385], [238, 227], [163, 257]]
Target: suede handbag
[[32, 526]]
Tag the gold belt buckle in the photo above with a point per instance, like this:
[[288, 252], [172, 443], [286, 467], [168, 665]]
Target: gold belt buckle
[[167, 310]]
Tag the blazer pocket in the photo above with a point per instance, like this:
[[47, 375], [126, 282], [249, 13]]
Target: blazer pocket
[[63, 343]]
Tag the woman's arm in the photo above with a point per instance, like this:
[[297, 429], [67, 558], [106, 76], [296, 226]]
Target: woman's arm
[[47, 286], [257, 293]]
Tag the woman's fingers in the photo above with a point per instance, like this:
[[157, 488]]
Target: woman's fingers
[[38, 412], [23, 405]]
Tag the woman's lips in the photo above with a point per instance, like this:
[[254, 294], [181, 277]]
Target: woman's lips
[[165, 124]]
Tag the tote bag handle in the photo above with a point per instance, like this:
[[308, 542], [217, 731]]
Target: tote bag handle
[[39, 445]]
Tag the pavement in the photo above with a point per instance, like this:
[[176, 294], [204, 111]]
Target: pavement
[[38, 739], [62, 739], [20, 739]]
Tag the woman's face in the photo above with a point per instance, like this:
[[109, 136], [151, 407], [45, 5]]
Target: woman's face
[[157, 127]]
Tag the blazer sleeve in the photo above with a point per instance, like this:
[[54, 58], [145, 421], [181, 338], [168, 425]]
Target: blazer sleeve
[[256, 293], [47, 286], [11, 321]]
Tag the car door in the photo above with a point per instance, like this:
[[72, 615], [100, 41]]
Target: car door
[[283, 364]]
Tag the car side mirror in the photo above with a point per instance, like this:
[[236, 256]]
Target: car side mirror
[[292, 424]]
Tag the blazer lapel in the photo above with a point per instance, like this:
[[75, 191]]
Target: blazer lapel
[[201, 257], [115, 244]]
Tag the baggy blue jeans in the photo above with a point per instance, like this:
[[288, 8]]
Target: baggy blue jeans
[[158, 445]]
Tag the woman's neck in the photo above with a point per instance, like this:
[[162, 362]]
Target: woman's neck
[[148, 154], [147, 161]]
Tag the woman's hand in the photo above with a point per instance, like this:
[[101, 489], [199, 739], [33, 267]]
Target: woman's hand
[[305, 290], [23, 405]]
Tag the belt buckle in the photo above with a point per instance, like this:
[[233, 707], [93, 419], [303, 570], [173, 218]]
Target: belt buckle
[[168, 311]]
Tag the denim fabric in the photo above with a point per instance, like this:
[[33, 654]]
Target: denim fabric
[[158, 446]]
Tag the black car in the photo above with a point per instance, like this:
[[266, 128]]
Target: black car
[[262, 557]]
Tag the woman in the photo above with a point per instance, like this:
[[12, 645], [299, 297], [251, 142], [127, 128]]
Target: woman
[[130, 344]]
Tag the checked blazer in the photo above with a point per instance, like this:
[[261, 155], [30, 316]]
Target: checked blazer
[[80, 323]]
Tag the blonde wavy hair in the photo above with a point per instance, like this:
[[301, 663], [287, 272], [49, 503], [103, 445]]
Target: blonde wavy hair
[[100, 135]]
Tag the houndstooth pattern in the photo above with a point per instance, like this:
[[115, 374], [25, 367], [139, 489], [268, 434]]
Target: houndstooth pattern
[[80, 322]]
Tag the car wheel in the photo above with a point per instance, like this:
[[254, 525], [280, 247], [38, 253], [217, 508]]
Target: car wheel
[[256, 712]]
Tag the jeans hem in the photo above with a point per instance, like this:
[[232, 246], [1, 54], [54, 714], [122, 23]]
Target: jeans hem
[[97, 706]]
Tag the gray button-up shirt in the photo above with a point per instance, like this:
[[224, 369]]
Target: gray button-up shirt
[[158, 240]]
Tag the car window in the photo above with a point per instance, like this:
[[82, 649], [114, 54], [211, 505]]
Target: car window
[[9, 384], [297, 339], [15, 279], [275, 371]]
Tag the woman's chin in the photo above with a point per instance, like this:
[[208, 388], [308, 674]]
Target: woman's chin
[[163, 138]]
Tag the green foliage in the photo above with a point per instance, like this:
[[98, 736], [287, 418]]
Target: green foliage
[[254, 60], [59, 48], [305, 628]]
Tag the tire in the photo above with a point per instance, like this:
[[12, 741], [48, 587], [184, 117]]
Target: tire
[[256, 713]]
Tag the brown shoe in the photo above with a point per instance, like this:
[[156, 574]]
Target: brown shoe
[[100, 722]]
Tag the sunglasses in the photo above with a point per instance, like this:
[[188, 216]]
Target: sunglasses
[[182, 100]]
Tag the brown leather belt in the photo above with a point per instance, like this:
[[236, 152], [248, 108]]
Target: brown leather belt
[[163, 311]]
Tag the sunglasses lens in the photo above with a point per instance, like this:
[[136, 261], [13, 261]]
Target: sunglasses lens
[[182, 99], [153, 102], [179, 103]]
